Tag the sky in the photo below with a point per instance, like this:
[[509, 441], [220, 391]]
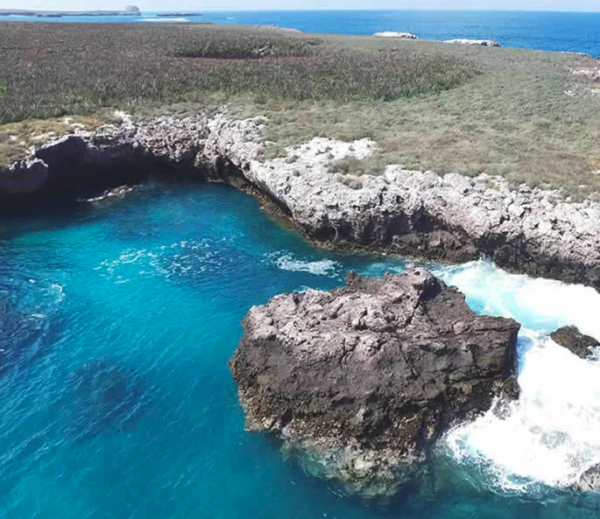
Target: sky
[[206, 5]]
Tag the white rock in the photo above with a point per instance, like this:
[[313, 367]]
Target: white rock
[[401, 35], [481, 43]]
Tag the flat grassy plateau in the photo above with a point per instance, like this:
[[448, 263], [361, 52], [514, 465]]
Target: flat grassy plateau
[[450, 108]]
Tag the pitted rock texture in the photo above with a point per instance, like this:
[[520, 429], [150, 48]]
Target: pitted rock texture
[[421, 214], [367, 377], [589, 481], [411, 213], [571, 338]]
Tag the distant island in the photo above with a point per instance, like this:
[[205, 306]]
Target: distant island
[[130, 10]]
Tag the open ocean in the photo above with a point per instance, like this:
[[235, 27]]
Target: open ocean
[[557, 31]]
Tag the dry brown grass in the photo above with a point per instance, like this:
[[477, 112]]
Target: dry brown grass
[[515, 120], [17, 138]]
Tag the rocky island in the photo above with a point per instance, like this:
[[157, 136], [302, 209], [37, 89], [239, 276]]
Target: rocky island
[[362, 380], [130, 10]]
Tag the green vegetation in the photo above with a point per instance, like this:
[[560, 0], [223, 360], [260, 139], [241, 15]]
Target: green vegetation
[[448, 108], [53, 71]]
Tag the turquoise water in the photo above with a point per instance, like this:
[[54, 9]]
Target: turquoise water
[[557, 31], [152, 290]]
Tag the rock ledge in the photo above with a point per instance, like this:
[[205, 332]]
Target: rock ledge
[[411, 213]]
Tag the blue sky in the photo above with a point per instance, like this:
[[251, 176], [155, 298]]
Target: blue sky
[[204, 5]]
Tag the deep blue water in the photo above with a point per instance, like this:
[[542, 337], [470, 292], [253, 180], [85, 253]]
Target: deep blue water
[[115, 396], [556, 31]]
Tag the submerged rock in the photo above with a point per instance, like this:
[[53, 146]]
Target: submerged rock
[[571, 338], [102, 395], [359, 382], [19, 334]]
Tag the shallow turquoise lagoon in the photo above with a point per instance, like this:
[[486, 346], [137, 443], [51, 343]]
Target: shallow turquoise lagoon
[[150, 291]]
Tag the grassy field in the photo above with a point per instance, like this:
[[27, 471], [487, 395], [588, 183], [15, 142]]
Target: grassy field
[[449, 108]]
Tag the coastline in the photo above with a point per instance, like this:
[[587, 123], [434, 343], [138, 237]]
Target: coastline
[[360, 385], [130, 10], [409, 213]]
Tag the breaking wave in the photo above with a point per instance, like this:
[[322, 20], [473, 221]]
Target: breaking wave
[[551, 435]]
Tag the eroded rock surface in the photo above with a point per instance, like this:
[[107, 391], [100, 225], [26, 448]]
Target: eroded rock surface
[[589, 481], [571, 338], [362, 380], [411, 213]]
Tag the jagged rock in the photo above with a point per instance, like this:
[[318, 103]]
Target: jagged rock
[[401, 35], [412, 213], [102, 395], [481, 43], [362, 380], [571, 338], [589, 481], [23, 177]]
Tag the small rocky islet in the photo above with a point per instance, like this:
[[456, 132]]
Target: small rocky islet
[[576, 342], [360, 382]]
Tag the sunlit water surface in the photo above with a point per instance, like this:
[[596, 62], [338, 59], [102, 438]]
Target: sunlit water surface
[[145, 296]]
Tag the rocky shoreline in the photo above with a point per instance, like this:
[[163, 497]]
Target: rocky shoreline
[[411, 213]]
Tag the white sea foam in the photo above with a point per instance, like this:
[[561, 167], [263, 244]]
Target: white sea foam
[[319, 268], [552, 434], [538, 304]]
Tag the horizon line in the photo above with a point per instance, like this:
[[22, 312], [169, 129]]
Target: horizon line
[[333, 9], [321, 9]]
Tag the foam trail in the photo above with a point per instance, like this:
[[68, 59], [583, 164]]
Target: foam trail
[[552, 434], [318, 268]]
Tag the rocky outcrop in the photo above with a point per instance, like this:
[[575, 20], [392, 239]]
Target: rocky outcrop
[[411, 213], [575, 341], [589, 481], [480, 43], [24, 177], [362, 380], [451, 218], [400, 35]]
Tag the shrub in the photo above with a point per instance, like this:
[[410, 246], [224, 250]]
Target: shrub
[[55, 69]]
